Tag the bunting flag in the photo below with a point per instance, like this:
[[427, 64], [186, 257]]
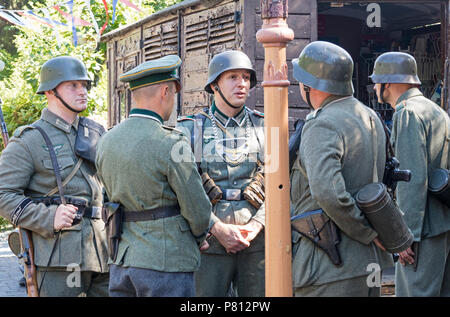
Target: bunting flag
[[114, 9], [78, 21], [34, 18], [12, 18], [107, 17], [47, 15], [88, 6], [41, 16], [130, 4], [74, 29]]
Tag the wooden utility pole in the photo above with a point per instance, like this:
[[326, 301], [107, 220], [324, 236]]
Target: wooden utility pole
[[274, 35]]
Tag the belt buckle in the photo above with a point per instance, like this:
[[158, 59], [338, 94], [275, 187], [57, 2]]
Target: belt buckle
[[232, 194]]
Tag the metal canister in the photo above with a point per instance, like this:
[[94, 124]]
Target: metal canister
[[385, 217], [438, 185]]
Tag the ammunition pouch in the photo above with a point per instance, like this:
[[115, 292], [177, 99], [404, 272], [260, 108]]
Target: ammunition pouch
[[321, 230], [82, 204], [254, 192], [212, 190], [439, 185], [88, 135], [385, 217], [112, 215]]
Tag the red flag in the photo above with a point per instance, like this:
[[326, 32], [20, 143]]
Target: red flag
[[78, 21], [130, 4], [107, 17]]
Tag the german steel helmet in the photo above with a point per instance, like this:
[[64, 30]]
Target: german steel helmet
[[326, 67], [60, 69], [395, 68], [229, 60]]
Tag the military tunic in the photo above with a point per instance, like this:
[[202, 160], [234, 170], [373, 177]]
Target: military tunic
[[140, 166], [218, 268], [342, 149], [26, 171], [419, 130]]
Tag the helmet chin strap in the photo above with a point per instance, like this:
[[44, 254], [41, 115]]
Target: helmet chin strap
[[307, 90], [65, 103], [216, 88], [382, 92]]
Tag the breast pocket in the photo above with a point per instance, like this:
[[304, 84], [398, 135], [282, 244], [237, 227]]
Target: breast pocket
[[63, 163]]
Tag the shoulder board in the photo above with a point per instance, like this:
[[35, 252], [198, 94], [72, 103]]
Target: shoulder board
[[400, 106], [91, 124], [257, 113], [172, 129], [186, 118], [20, 130], [313, 114]]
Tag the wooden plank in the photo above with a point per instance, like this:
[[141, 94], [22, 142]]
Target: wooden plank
[[194, 80], [194, 99]]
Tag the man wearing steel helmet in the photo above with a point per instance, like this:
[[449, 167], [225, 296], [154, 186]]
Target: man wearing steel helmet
[[420, 136], [228, 140], [48, 185], [342, 149]]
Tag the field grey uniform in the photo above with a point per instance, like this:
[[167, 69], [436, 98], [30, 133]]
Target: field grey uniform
[[219, 268], [232, 152], [138, 163], [26, 172], [420, 130], [342, 149], [78, 262]]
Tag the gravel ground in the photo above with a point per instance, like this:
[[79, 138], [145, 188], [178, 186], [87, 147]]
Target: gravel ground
[[10, 273]]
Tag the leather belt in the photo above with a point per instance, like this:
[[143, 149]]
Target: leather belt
[[93, 212], [151, 214]]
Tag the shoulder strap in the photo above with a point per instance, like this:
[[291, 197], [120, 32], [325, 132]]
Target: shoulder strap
[[445, 151], [68, 178], [256, 130], [54, 163], [197, 137]]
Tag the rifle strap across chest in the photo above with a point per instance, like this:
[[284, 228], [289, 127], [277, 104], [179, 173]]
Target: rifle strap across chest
[[61, 193]]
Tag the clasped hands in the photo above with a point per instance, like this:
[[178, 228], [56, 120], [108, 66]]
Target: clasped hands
[[233, 238]]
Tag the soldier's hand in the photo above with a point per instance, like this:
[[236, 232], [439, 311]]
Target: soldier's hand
[[230, 237], [406, 256], [250, 230], [64, 216], [379, 244], [204, 246]]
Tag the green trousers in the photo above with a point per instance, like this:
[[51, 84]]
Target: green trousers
[[240, 274], [432, 276], [354, 287], [59, 283]]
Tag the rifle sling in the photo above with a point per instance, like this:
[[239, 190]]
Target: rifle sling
[[61, 193]]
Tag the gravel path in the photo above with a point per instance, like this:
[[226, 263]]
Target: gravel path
[[10, 273]]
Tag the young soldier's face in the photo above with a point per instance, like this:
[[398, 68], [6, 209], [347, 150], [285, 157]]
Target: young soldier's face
[[235, 85], [74, 92]]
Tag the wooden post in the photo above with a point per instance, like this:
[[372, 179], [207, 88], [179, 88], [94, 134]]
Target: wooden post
[[274, 35]]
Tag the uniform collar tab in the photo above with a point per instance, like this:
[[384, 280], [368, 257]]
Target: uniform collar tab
[[57, 121], [224, 120], [138, 112]]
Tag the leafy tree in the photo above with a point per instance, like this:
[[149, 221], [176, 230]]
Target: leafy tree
[[24, 51]]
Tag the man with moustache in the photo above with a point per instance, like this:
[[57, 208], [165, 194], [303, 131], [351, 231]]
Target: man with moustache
[[228, 140], [64, 217]]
